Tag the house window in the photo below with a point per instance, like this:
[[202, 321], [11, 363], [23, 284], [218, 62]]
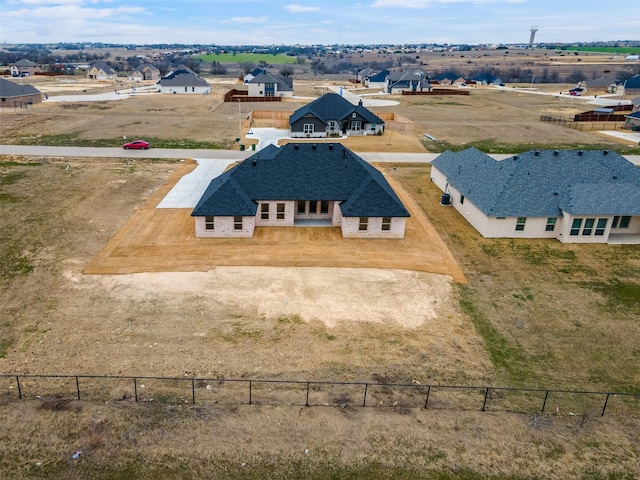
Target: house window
[[373, 127], [551, 224], [386, 224], [520, 223], [575, 226], [208, 223], [313, 207], [333, 125], [615, 222], [356, 125], [237, 223], [363, 224], [308, 128], [624, 221], [588, 226], [185, 89], [280, 211], [302, 207], [264, 211], [601, 226], [193, 89], [461, 199], [324, 206]]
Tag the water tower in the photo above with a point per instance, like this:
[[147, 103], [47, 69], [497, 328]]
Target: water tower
[[533, 30]]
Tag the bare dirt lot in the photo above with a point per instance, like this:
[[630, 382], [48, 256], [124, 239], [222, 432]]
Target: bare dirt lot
[[531, 313]]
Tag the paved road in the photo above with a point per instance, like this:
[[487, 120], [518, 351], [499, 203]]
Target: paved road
[[107, 152]]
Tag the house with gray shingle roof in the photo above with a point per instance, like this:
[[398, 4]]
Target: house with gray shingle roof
[[145, 72], [183, 81], [102, 72], [266, 84], [574, 196], [632, 121], [24, 67], [332, 115], [297, 184], [14, 95], [408, 80]]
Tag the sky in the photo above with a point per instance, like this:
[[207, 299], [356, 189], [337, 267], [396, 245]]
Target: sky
[[327, 22]]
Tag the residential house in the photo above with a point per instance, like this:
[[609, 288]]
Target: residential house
[[14, 95], [252, 74], [101, 72], [184, 81], [364, 74], [603, 84], [376, 80], [409, 80], [632, 121], [332, 115], [145, 72], [300, 184], [485, 79], [24, 67], [632, 85], [574, 196], [450, 78], [267, 84]]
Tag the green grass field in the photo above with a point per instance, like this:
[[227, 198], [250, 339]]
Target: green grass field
[[247, 57], [616, 50]]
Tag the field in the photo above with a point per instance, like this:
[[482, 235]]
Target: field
[[529, 313]]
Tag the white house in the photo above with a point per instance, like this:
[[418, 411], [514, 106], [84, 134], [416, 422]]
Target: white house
[[574, 196], [183, 81], [296, 184], [267, 84]]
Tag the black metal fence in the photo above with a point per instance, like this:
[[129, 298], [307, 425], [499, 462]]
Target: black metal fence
[[593, 126], [173, 390]]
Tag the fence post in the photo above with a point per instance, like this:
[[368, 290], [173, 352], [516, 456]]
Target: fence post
[[135, 388], [19, 389], [78, 387], [250, 392], [193, 391], [486, 394], [546, 395], [364, 401], [426, 401], [606, 400], [307, 402]]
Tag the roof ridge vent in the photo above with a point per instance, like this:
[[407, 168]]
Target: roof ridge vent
[[536, 153], [556, 153], [296, 146], [605, 152], [331, 146], [314, 146], [580, 152]]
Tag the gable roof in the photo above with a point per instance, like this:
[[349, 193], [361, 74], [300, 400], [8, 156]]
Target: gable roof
[[100, 65], [378, 77], [406, 76], [633, 82], [332, 106], [544, 183], [302, 171], [183, 78], [284, 83], [9, 89], [25, 63]]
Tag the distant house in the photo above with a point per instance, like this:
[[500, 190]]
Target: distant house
[[376, 80], [486, 79], [145, 72], [333, 115], [450, 78], [632, 85], [23, 68], [296, 184], [573, 196], [365, 73], [101, 72], [604, 83], [408, 80], [632, 121], [183, 81], [14, 95], [252, 74], [267, 84]]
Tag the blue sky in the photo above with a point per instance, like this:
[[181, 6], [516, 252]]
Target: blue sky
[[267, 22]]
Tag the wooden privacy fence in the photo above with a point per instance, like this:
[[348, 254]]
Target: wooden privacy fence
[[173, 390], [583, 126]]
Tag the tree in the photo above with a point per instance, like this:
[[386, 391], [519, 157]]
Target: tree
[[286, 71]]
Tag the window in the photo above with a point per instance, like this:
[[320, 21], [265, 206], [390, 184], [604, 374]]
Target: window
[[313, 207], [208, 223], [302, 207], [264, 211], [324, 206], [193, 89], [280, 211], [601, 226], [373, 127], [364, 223], [186, 89], [461, 199], [551, 224], [615, 222], [356, 125], [386, 224], [520, 223], [308, 128], [575, 226], [588, 226], [237, 223], [624, 222]]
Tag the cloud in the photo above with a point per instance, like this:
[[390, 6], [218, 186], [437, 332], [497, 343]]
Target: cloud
[[301, 9], [247, 20], [418, 4]]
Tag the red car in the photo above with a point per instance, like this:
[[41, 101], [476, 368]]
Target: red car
[[136, 144]]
